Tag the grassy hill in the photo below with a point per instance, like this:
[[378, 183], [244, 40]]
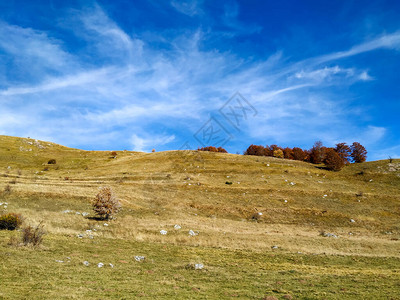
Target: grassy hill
[[281, 254]]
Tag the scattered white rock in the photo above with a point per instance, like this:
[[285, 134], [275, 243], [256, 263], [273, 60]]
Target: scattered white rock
[[59, 261], [163, 232], [285, 201], [111, 265], [274, 247], [100, 265], [292, 183], [86, 263], [176, 226], [327, 234], [267, 165], [198, 266], [352, 221], [325, 196], [85, 214], [192, 233], [140, 258], [77, 213], [105, 224], [260, 213], [370, 180], [67, 211]]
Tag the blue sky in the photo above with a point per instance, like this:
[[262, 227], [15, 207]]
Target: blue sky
[[137, 75]]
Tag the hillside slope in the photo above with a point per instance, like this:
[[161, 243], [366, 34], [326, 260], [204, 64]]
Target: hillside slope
[[214, 194], [191, 186]]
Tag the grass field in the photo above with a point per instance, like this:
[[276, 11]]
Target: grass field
[[281, 255]]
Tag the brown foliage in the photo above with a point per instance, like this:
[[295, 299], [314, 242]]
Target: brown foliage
[[299, 154], [288, 153], [213, 149], [255, 150], [344, 151], [105, 204], [317, 153], [333, 161], [358, 153]]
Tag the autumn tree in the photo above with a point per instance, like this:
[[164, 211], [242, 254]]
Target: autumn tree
[[317, 153], [299, 154], [344, 151], [271, 149], [332, 160], [255, 150], [278, 153], [288, 153], [358, 153]]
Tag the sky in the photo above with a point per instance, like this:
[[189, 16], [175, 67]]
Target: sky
[[166, 75]]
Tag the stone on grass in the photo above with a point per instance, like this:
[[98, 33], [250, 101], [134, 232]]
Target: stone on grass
[[177, 226], [86, 263], [192, 233], [139, 258], [163, 232], [100, 265], [198, 266]]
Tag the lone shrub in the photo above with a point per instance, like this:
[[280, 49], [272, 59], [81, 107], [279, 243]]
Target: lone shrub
[[333, 161], [33, 235], [105, 204], [10, 221], [52, 162]]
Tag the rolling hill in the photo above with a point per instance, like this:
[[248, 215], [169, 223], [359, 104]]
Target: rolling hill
[[261, 226]]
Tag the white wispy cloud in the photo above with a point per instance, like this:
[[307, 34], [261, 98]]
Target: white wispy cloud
[[188, 7], [154, 92], [148, 143]]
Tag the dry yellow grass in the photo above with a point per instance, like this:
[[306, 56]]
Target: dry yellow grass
[[157, 190]]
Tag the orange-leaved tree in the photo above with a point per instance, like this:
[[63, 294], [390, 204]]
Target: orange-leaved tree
[[332, 160], [358, 153]]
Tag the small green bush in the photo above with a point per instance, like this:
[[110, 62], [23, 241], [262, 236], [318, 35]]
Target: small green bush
[[10, 221]]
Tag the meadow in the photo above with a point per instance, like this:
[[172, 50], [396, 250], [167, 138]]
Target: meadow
[[261, 227]]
